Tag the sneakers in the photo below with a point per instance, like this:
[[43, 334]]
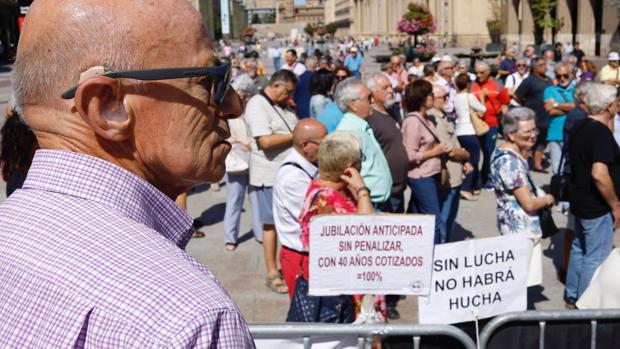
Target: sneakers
[[468, 196], [570, 305]]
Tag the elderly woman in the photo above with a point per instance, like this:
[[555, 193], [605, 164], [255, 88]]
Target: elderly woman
[[518, 199], [339, 190], [425, 152], [237, 169]]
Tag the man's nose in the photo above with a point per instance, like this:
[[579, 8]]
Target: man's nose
[[231, 106]]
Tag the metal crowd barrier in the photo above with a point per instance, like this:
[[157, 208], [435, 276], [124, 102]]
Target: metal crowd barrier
[[545, 316], [362, 332]]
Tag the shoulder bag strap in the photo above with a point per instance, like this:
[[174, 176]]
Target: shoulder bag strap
[[428, 128], [276, 110], [301, 260], [294, 164]]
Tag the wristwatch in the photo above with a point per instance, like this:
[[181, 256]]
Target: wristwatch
[[556, 104]]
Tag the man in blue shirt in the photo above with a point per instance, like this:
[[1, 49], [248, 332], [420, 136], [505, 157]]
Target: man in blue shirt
[[355, 100], [559, 100], [353, 62]]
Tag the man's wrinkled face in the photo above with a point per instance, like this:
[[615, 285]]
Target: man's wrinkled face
[[613, 64], [383, 93], [482, 74], [563, 76], [179, 132], [282, 92], [362, 106], [439, 99]]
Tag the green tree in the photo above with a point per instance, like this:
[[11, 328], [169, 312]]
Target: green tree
[[256, 19], [543, 12], [331, 28], [310, 29]]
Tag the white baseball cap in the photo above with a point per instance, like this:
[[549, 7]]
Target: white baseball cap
[[412, 71], [353, 49], [435, 59], [446, 58], [613, 56]]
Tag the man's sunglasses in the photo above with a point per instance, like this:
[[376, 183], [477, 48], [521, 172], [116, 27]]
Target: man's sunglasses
[[220, 75]]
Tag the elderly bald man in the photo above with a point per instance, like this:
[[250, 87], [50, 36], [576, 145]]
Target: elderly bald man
[[92, 246], [298, 169]]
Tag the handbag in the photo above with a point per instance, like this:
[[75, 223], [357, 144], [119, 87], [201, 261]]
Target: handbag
[[560, 182], [480, 126], [328, 309], [547, 224], [444, 174], [237, 160]]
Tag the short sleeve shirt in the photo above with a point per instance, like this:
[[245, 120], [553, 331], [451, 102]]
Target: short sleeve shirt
[[353, 63], [375, 170], [263, 118], [608, 73], [509, 171], [556, 122], [532, 91], [390, 138], [591, 142]]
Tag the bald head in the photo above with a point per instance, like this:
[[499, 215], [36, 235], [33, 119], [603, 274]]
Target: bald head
[[307, 136], [63, 38]]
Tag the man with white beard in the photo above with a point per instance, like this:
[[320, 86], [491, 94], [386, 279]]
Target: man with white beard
[[388, 134]]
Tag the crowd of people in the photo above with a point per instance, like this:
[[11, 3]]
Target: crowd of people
[[431, 127], [116, 143]]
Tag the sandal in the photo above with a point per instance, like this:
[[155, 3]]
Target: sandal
[[276, 286], [197, 234], [230, 247]]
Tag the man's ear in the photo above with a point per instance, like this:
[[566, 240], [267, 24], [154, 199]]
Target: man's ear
[[100, 102]]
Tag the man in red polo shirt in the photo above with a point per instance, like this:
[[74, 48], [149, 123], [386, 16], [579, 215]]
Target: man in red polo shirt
[[496, 102]]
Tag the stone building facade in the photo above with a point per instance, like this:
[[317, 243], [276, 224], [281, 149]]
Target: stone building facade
[[463, 23], [592, 23]]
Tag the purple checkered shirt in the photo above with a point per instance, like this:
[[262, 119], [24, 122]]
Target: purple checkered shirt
[[91, 256]]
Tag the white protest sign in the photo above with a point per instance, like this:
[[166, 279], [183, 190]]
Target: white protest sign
[[373, 254], [482, 277]]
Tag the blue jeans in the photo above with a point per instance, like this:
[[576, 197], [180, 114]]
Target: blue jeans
[[425, 200], [472, 145], [449, 201], [487, 143], [555, 154], [257, 224], [236, 185], [276, 63], [591, 246]]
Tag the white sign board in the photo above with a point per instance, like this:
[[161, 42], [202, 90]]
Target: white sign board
[[374, 254], [477, 278], [225, 17]]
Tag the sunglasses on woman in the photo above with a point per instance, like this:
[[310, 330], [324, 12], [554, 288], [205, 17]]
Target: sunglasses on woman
[[219, 75]]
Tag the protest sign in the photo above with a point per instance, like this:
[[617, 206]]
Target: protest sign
[[374, 254], [477, 278]]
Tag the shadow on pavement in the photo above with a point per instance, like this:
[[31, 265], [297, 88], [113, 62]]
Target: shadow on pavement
[[535, 295], [556, 250], [212, 215], [459, 233]]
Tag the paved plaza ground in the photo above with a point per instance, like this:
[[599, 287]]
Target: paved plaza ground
[[242, 271]]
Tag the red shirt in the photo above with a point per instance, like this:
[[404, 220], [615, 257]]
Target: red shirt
[[496, 96]]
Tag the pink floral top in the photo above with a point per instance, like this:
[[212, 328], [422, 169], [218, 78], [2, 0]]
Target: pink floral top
[[317, 199]]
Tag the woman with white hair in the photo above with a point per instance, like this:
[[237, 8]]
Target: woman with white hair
[[339, 189], [518, 199], [237, 167]]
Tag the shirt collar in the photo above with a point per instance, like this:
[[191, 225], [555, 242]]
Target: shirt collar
[[97, 180], [356, 121], [305, 164]]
